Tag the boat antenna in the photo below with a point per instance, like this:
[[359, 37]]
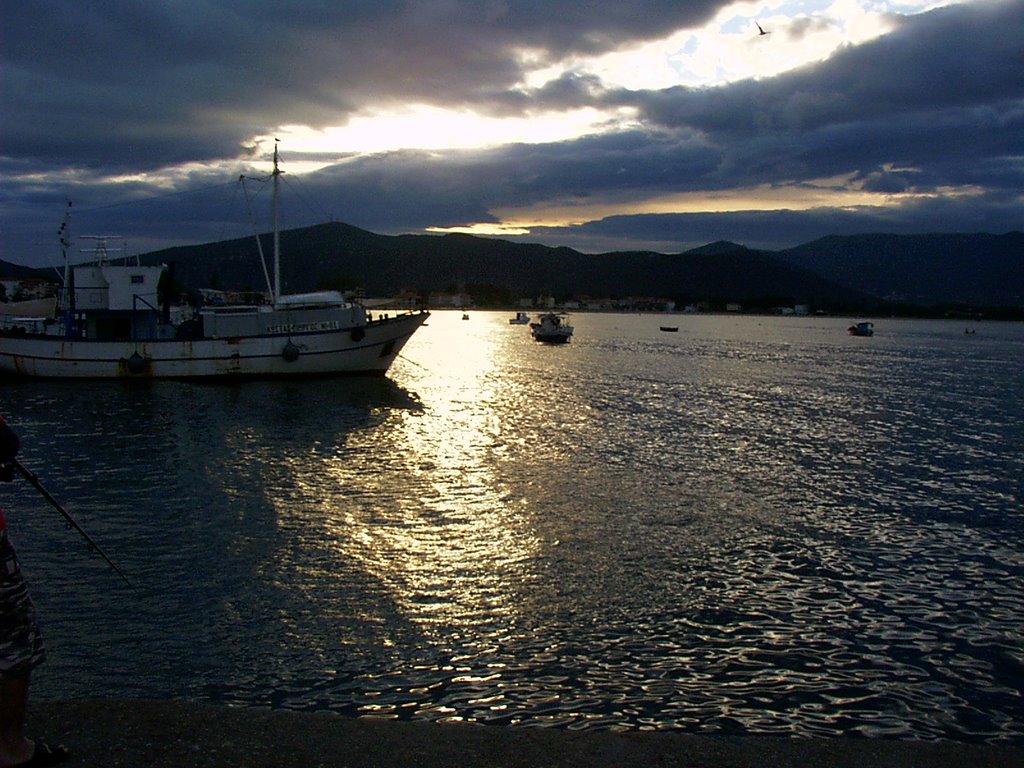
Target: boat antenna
[[277, 228], [101, 254]]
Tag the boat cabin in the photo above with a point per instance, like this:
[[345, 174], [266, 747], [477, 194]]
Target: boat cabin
[[116, 289], [117, 302]]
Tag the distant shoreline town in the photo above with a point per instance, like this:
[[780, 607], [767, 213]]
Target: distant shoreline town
[[938, 275]]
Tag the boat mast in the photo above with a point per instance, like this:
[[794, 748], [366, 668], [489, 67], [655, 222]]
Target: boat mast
[[65, 308], [65, 244], [277, 230]]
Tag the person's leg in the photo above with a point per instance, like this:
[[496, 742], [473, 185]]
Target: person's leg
[[14, 747], [21, 650]]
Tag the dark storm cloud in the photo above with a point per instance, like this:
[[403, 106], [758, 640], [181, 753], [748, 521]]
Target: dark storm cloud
[[888, 116], [957, 66], [944, 92], [938, 104], [94, 88], [143, 85], [406, 191]]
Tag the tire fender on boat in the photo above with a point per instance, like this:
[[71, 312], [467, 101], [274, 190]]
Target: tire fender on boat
[[290, 352], [136, 364]]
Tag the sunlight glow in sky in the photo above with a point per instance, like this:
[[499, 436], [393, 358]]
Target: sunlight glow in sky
[[424, 127], [839, 193], [729, 48], [524, 131]]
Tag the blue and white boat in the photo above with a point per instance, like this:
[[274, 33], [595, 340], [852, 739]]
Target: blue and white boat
[[111, 323]]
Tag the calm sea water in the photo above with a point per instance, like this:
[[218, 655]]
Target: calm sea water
[[754, 525]]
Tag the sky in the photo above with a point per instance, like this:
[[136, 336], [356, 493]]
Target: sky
[[595, 124]]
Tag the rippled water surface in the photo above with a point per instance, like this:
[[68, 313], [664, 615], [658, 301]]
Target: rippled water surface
[[754, 525]]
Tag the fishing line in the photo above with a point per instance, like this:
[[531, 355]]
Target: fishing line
[[72, 523]]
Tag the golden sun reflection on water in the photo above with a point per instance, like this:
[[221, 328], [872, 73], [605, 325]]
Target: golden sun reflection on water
[[754, 525], [417, 502]]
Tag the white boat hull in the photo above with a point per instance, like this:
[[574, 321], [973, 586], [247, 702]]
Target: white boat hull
[[363, 349]]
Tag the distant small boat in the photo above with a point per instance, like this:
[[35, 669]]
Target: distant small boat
[[862, 329], [552, 328], [521, 318], [465, 316], [670, 328]]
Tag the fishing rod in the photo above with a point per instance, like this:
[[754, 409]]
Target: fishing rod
[[72, 523]]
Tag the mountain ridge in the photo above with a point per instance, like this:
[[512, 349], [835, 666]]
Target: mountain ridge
[[976, 269]]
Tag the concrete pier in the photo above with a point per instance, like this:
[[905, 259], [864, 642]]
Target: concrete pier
[[172, 734]]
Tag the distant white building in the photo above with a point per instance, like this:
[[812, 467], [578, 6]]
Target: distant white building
[[457, 300], [27, 289]]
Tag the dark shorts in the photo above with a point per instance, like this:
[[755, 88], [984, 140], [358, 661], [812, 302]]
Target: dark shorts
[[21, 644]]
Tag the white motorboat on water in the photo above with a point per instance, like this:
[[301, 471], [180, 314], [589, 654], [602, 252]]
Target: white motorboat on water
[[552, 328], [110, 323]]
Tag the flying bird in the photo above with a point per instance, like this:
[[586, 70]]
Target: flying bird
[[759, 28]]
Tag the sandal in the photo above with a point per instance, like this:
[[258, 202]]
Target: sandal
[[44, 755]]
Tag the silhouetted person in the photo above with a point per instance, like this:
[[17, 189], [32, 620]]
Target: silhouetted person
[[21, 644]]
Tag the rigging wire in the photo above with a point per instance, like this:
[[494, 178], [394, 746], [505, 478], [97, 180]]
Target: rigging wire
[[230, 212], [161, 196], [252, 219], [319, 212]]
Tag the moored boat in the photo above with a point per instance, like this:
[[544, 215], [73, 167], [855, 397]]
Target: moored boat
[[111, 323], [865, 328], [552, 328], [521, 318]]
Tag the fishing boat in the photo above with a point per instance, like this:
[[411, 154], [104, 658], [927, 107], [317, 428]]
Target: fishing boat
[[862, 329], [521, 318], [111, 323], [552, 328]]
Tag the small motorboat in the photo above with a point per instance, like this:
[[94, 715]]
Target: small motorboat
[[552, 328], [670, 328], [521, 318], [862, 329]]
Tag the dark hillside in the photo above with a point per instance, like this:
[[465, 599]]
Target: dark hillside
[[338, 255], [977, 269], [856, 273]]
